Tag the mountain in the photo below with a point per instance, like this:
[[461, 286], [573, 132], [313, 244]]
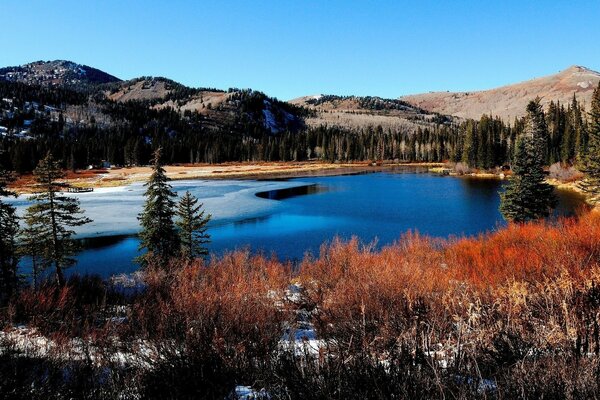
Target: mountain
[[217, 107], [84, 96], [56, 73], [356, 112], [510, 101]]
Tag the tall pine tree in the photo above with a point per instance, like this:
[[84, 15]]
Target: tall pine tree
[[9, 228], [31, 244], [158, 235], [192, 224], [591, 160], [51, 217], [527, 197]]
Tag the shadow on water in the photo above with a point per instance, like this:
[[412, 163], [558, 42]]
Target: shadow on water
[[100, 242], [570, 203], [282, 194], [252, 221]]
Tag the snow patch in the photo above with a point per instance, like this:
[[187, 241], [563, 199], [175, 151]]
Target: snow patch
[[247, 393], [585, 84], [269, 119]]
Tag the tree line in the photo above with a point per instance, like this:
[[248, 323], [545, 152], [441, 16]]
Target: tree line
[[136, 130]]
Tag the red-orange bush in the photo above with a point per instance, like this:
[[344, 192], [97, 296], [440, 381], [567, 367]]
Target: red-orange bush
[[462, 296]]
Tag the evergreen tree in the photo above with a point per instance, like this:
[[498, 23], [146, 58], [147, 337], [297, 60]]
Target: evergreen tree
[[32, 245], [527, 197], [158, 235], [9, 228], [591, 160], [469, 154], [576, 121], [50, 219], [192, 226]]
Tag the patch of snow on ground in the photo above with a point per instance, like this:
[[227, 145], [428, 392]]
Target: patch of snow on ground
[[247, 393], [270, 122], [584, 84]]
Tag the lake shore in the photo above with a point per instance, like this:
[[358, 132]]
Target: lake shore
[[115, 177], [119, 177]]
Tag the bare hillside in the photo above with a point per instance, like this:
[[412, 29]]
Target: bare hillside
[[509, 101], [355, 112]]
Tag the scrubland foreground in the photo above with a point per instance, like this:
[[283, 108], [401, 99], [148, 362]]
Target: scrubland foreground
[[511, 314]]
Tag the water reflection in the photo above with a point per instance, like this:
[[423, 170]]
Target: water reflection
[[252, 221], [102, 241], [570, 203], [282, 194]]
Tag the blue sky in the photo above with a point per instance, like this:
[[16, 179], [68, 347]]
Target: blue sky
[[293, 48]]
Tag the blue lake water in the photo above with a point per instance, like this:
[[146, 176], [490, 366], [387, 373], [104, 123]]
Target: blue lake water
[[292, 217]]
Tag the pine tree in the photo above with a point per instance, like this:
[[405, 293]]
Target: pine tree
[[469, 155], [51, 218], [527, 197], [591, 160], [576, 121], [9, 228], [32, 245], [158, 235], [192, 226]]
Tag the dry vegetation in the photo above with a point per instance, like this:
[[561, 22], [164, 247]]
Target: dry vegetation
[[512, 314]]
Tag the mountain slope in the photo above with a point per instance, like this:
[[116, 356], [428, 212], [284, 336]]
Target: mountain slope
[[56, 73], [510, 101], [37, 95], [357, 112]]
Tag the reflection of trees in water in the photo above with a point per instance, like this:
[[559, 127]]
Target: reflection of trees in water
[[99, 242], [253, 220], [281, 194], [482, 188], [569, 202]]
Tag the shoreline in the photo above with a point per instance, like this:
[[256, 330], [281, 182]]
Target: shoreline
[[124, 176], [120, 177]]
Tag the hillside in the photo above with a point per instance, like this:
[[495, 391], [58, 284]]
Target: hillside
[[86, 96], [356, 112], [509, 101], [56, 73]]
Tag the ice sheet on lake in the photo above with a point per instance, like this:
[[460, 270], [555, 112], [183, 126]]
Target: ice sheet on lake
[[114, 211]]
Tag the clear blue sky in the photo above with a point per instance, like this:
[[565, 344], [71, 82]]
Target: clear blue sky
[[293, 48]]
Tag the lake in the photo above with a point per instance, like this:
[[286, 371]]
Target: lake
[[295, 216]]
